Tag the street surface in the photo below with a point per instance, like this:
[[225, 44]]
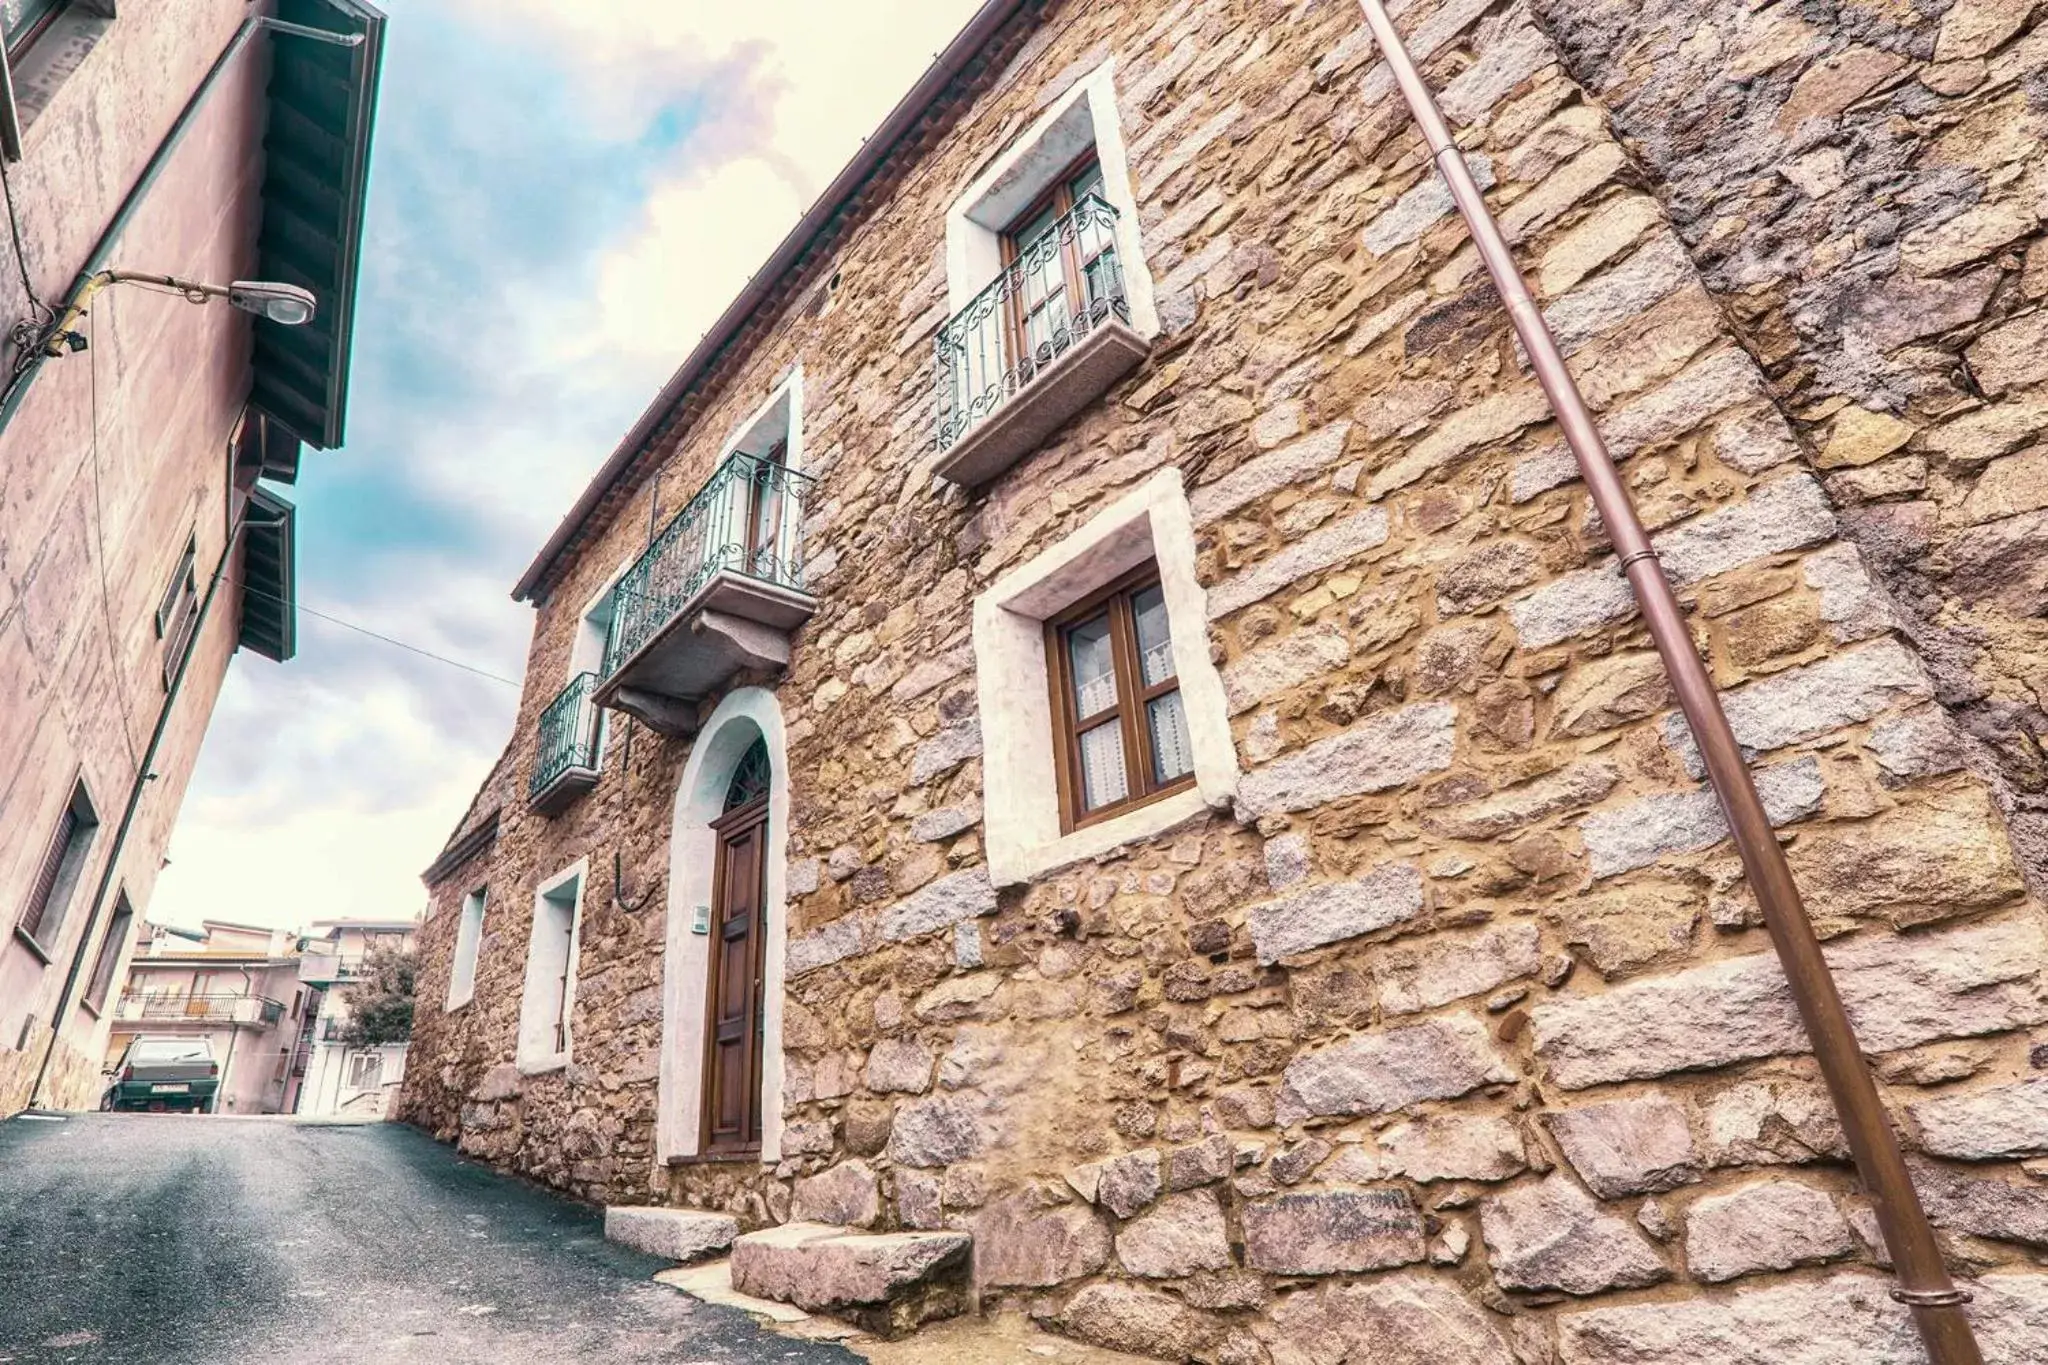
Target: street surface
[[138, 1239]]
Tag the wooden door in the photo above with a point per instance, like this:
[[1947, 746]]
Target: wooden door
[[733, 1033]]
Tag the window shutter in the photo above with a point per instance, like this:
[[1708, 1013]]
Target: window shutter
[[46, 876]]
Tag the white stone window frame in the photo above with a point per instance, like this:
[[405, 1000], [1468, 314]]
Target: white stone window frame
[[1021, 814], [1026, 169], [586, 652], [730, 731], [469, 935], [535, 1053]]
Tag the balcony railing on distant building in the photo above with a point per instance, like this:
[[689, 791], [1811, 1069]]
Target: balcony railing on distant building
[[320, 969], [730, 566], [566, 762], [164, 1006], [1049, 334]]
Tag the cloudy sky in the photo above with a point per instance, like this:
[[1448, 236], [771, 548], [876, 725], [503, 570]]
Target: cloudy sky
[[564, 195]]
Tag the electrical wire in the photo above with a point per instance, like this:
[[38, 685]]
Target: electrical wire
[[20, 257], [374, 635]]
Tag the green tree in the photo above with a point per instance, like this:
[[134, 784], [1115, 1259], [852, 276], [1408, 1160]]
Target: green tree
[[380, 1004]]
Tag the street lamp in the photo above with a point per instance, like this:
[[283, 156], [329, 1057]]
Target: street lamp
[[285, 304]]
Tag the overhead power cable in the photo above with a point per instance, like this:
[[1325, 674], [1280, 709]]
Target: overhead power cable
[[376, 635]]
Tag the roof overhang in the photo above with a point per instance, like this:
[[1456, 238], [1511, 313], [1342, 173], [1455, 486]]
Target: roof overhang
[[904, 133], [461, 849], [316, 148], [269, 624]]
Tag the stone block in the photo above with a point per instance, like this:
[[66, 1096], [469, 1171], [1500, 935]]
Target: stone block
[[1129, 1183], [888, 1283], [1384, 751], [2013, 354], [2000, 1122], [1326, 548], [1454, 1147], [846, 1195], [1331, 912], [1938, 858], [1772, 1122], [1182, 1234], [1552, 1235], [901, 1066], [1293, 659], [1420, 209], [1022, 1243], [1435, 972], [1400, 1319], [1626, 931], [1801, 703], [960, 896], [1983, 1206], [935, 1132], [1623, 838], [1775, 1225], [1627, 1147], [1125, 1317], [1378, 1073], [675, 1234], [1306, 458], [1899, 992], [1337, 1233], [1600, 694], [1576, 784]]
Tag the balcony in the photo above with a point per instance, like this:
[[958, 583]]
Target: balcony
[[171, 1007], [720, 590], [327, 969], [1047, 337], [565, 766]]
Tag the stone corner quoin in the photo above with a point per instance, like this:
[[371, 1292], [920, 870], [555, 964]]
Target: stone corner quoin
[[1447, 995]]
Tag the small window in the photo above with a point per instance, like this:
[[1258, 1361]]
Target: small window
[[42, 919], [110, 954], [1122, 732], [469, 933], [177, 615], [365, 1070], [548, 1001]]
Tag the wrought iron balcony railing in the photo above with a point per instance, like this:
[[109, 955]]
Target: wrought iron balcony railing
[[568, 735], [744, 520], [200, 1009], [1058, 289]]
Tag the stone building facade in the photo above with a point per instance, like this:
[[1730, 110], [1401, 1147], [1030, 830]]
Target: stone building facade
[[140, 544], [1423, 1016]]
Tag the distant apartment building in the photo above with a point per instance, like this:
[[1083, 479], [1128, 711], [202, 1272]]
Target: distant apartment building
[[341, 1080], [154, 155], [1092, 727], [235, 986]]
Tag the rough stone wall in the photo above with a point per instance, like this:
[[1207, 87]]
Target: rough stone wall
[[1862, 185], [1460, 1040], [113, 460]]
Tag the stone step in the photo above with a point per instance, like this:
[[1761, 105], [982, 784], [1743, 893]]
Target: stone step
[[888, 1283], [675, 1234]]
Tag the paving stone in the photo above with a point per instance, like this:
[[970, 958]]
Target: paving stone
[[1332, 1234], [1899, 992], [676, 1234], [1329, 912], [1774, 1225], [1628, 1146], [1384, 751], [1399, 1319], [1997, 1123], [1182, 1234], [1552, 1235], [1378, 1073]]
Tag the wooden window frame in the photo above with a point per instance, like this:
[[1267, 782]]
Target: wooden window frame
[[19, 43], [1059, 196], [1132, 700], [58, 873], [757, 497]]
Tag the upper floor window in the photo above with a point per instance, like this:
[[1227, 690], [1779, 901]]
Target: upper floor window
[[469, 934], [1051, 303], [24, 21], [1121, 730], [177, 614], [103, 967]]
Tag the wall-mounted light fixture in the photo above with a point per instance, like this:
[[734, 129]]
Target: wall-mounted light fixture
[[285, 304]]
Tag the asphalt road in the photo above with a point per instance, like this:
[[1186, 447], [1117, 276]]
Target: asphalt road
[[134, 1239]]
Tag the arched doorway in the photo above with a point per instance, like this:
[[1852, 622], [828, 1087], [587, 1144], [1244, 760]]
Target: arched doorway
[[721, 1061]]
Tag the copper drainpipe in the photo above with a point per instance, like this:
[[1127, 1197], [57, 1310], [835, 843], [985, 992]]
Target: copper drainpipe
[[1923, 1280]]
